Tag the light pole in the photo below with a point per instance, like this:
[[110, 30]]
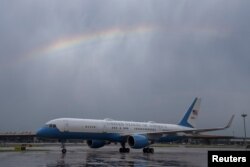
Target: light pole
[[244, 117]]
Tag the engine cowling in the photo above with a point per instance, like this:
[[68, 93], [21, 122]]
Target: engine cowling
[[138, 141], [95, 143]]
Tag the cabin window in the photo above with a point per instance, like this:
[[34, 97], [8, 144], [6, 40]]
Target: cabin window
[[89, 126]]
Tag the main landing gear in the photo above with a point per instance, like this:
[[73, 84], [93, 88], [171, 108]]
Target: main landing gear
[[63, 148], [123, 149], [148, 150]]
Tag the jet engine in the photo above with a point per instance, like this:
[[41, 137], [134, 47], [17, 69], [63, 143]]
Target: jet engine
[[138, 141], [96, 143]]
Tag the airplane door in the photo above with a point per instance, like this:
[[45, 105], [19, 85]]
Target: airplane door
[[66, 125], [105, 127]]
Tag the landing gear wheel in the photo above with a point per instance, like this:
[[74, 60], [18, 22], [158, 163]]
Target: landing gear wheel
[[64, 150], [63, 147], [148, 150], [124, 150]]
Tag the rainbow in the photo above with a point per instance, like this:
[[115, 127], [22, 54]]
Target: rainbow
[[112, 33], [85, 38]]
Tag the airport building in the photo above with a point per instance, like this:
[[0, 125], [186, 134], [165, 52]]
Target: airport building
[[30, 137]]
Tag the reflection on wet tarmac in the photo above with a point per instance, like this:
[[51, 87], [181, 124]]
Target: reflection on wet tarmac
[[94, 158], [82, 156]]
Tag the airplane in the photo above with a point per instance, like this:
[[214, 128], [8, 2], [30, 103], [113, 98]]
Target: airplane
[[138, 135]]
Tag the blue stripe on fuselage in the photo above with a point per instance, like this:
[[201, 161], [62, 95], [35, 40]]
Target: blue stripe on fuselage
[[54, 133]]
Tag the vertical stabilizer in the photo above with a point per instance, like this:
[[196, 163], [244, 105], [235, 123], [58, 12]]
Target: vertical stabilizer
[[191, 115]]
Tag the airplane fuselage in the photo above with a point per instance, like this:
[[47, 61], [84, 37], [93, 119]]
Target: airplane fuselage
[[107, 129]]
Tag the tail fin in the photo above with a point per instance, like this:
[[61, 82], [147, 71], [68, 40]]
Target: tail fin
[[192, 113]]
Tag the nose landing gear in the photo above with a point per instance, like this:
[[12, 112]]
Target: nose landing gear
[[64, 150]]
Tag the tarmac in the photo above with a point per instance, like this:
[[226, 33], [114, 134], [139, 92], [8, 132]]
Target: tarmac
[[81, 156]]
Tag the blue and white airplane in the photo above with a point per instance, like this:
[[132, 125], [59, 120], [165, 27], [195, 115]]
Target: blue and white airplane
[[138, 135]]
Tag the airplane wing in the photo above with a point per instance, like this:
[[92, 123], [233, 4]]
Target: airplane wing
[[187, 132], [203, 136], [211, 129]]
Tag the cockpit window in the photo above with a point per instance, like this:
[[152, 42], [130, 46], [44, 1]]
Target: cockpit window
[[50, 125]]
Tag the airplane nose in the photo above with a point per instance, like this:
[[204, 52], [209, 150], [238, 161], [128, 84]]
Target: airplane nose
[[40, 132], [46, 132]]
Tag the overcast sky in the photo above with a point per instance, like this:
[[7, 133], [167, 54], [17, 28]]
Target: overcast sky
[[126, 60]]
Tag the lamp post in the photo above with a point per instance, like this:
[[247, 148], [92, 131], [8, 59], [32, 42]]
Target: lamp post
[[244, 117]]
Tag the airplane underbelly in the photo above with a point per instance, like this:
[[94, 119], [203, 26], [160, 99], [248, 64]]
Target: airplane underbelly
[[171, 138]]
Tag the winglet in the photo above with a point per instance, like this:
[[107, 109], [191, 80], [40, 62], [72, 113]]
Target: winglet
[[230, 122]]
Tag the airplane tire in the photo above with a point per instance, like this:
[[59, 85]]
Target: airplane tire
[[148, 150], [64, 151], [124, 150]]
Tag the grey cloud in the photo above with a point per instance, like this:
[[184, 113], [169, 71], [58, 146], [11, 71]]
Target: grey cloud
[[196, 49]]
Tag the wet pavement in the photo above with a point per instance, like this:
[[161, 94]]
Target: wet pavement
[[107, 156]]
